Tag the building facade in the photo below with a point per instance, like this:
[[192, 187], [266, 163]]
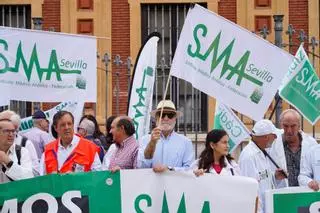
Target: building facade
[[121, 26]]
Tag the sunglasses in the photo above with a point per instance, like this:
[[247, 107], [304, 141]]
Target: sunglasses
[[170, 115]]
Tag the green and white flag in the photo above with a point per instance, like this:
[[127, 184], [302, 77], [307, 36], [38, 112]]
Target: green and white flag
[[228, 62], [226, 119], [129, 191], [140, 99], [301, 87], [46, 66]]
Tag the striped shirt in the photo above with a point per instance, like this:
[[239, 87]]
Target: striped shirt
[[123, 155]]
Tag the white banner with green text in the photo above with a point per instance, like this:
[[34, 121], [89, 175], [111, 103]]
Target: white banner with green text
[[228, 62], [46, 66], [130, 191]]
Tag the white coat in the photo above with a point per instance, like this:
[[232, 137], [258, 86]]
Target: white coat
[[277, 153], [253, 163], [232, 168], [310, 169]]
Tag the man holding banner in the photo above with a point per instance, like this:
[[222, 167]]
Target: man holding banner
[[68, 153], [164, 149]]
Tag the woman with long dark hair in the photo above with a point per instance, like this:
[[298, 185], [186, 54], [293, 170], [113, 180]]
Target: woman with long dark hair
[[215, 158]]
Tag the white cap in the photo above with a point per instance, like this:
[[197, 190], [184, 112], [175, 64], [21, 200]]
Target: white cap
[[264, 127]]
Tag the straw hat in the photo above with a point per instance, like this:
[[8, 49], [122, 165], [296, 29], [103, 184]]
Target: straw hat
[[168, 106]]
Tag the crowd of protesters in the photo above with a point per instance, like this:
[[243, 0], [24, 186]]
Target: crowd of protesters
[[276, 158]]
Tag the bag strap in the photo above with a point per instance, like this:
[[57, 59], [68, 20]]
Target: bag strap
[[24, 141], [18, 153]]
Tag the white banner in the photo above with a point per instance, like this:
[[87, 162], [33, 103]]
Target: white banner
[[4, 101], [140, 104], [229, 63], [47, 67], [225, 118], [183, 192], [75, 108]]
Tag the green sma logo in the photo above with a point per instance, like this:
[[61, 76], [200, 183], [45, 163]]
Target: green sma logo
[[52, 69], [240, 67]]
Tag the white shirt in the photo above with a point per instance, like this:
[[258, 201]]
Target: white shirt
[[32, 153], [253, 163], [277, 153], [310, 169], [107, 156], [63, 153], [175, 151], [231, 168], [16, 171]]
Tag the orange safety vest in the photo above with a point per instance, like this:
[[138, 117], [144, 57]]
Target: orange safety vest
[[82, 156]]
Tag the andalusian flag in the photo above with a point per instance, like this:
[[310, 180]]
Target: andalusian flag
[[225, 118]]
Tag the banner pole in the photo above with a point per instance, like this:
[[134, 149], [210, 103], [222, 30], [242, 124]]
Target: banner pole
[[275, 106], [164, 97]]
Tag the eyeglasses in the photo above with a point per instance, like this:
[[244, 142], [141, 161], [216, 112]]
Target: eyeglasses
[[8, 131], [170, 115], [79, 128]]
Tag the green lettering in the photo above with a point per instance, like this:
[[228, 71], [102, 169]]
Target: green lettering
[[206, 207], [140, 198], [217, 58]]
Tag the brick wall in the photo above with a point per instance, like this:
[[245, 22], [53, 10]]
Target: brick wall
[[51, 18], [121, 46], [228, 9], [51, 15], [298, 17]]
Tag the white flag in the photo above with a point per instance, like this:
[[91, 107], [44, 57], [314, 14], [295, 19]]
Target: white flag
[[140, 103], [229, 63], [46, 66]]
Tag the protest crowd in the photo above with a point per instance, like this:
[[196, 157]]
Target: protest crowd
[[120, 162], [274, 157]]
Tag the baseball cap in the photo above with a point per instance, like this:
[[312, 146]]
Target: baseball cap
[[39, 115], [264, 127]]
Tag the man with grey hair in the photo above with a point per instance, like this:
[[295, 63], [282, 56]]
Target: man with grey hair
[[86, 130], [15, 163], [290, 147], [22, 141], [164, 149], [37, 134]]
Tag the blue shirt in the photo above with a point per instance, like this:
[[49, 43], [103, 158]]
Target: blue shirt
[[174, 151]]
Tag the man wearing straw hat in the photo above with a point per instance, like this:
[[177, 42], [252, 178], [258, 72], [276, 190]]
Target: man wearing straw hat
[[164, 149]]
